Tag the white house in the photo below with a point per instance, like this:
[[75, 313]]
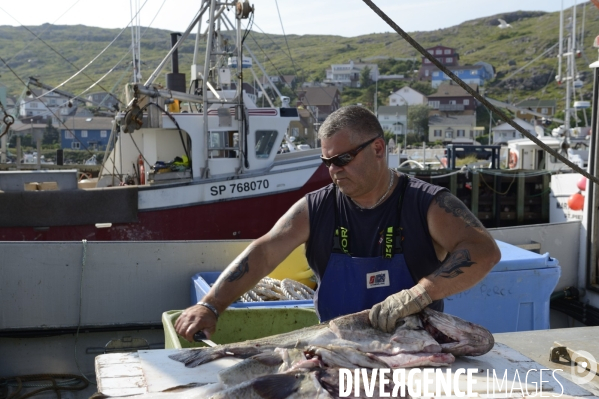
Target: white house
[[393, 118], [47, 105], [504, 132], [407, 95], [349, 74]]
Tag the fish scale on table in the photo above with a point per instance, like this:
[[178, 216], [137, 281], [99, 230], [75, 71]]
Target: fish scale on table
[[305, 359]]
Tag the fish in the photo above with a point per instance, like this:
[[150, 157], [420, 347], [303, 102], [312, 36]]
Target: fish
[[297, 384], [457, 336], [429, 338], [278, 361]]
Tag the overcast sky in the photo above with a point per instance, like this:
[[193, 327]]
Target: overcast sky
[[330, 17]]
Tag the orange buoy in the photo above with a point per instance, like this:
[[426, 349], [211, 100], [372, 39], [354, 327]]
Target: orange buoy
[[513, 159], [576, 201], [582, 184]]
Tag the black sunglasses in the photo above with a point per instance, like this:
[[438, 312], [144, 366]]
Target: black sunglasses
[[346, 157]]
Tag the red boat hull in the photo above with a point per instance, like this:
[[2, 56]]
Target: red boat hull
[[235, 219]]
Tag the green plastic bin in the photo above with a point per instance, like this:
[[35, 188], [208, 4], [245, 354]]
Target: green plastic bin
[[236, 325]]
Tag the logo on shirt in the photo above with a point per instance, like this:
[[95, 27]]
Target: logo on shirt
[[377, 279]]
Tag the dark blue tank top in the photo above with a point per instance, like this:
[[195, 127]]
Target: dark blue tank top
[[366, 227]]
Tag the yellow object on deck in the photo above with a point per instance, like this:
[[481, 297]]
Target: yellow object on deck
[[295, 267]]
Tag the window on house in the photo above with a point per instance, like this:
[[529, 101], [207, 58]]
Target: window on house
[[449, 60], [461, 133], [434, 104], [75, 145], [427, 61], [435, 73], [295, 131], [438, 51], [544, 111], [453, 102], [103, 133], [84, 133], [265, 140], [393, 101], [449, 134], [426, 73], [438, 133], [447, 51], [33, 105], [474, 72], [68, 135], [466, 102]]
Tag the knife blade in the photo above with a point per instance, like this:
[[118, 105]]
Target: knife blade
[[201, 336]]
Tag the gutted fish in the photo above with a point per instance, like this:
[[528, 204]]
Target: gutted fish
[[429, 338], [291, 385], [456, 336]]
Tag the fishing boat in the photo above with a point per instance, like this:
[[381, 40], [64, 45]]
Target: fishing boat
[[181, 164]]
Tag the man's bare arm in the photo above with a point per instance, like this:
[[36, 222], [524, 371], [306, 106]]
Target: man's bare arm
[[472, 252], [260, 258]]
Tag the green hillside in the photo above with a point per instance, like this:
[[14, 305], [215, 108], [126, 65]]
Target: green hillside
[[507, 50]]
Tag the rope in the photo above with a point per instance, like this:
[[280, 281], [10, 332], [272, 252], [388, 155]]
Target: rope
[[71, 383], [270, 289], [476, 95]]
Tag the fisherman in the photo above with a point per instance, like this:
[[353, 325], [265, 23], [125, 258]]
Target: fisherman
[[375, 239]]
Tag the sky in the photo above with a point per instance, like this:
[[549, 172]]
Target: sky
[[328, 17]]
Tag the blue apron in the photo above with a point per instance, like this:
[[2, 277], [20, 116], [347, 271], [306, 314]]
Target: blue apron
[[352, 284]]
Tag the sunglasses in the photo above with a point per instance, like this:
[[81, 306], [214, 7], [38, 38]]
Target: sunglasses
[[346, 157]]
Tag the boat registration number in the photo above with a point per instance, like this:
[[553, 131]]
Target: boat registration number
[[253, 185]]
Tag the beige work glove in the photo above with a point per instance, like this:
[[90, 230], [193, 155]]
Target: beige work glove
[[384, 315]]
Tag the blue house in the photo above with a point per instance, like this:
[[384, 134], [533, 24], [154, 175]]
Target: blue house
[[89, 132], [471, 74]]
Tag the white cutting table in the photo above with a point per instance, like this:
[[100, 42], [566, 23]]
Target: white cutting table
[[152, 374]]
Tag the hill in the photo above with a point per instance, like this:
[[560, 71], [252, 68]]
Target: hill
[[58, 51]]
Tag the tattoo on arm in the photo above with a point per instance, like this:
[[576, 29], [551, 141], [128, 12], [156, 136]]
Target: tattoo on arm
[[451, 204], [288, 219], [239, 270], [452, 266]]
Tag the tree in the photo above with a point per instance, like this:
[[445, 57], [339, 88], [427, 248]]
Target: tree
[[51, 134], [365, 80], [418, 120]]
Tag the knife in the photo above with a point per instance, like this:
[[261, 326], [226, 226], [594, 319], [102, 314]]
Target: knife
[[201, 336]]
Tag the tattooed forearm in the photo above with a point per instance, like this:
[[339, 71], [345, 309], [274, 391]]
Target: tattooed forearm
[[451, 204], [452, 266], [239, 269]]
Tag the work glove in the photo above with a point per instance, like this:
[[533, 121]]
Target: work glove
[[384, 315]]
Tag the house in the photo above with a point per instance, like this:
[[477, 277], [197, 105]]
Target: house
[[80, 133], [304, 130], [407, 95], [471, 74], [545, 107], [445, 55], [504, 132], [103, 99], [322, 101], [43, 103], [288, 80], [393, 118], [450, 97], [454, 129], [348, 75]]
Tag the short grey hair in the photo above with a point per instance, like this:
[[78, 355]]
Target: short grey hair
[[354, 118]]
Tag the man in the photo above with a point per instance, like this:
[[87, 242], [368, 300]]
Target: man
[[374, 238]]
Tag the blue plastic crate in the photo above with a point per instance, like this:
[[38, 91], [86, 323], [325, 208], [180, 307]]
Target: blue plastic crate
[[514, 296], [200, 285]]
